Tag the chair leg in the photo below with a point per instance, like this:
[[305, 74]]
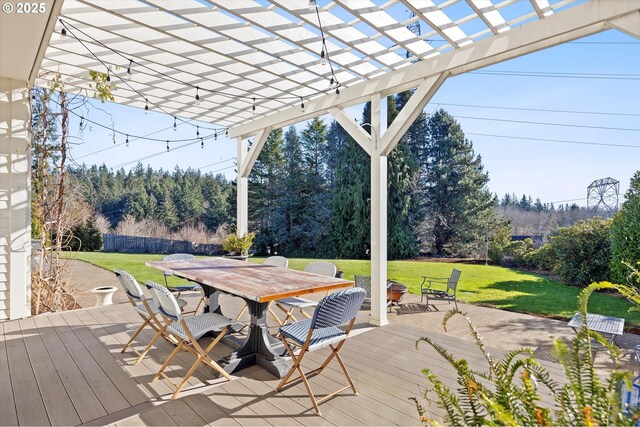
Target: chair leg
[[169, 359], [346, 372], [241, 312], [186, 377], [151, 343], [305, 314], [136, 333]]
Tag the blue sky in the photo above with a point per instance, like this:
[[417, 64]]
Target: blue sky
[[553, 171]]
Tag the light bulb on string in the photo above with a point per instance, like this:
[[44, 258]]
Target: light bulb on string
[[197, 130], [201, 143], [175, 125], [253, 107], [337, 93], [312, 5], [331, 82], [226, 132], [197, 96], [215, 136], [109, 74], [127, 141], [129, 69], [302, 104], [323, 58], [167, 146], [63, 33], [81, 122]]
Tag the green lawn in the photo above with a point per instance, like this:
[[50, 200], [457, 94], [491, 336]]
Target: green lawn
[[498, 287]]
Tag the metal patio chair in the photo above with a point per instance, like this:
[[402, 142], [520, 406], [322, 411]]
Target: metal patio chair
[[450, 294], [187, 330], [190, 286], [146, 308], [289, 305], [364, 282], [321, 331]]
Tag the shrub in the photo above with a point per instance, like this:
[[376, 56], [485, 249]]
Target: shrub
[[625, 234], [509, 392], [236, 244], [583, 251], [499, 241], [542, 259], [87, 237]]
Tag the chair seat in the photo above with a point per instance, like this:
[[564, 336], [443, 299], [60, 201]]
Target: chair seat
[[140, 308], [200, 325], [185, 288], [443, 294], [297, 302], [322, 337]]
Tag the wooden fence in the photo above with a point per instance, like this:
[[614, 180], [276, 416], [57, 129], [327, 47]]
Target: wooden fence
[[152, 245]]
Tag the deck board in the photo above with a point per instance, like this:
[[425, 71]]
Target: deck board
[[72, 372]]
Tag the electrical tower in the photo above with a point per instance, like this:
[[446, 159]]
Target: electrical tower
[[414, 27], [603, 194]]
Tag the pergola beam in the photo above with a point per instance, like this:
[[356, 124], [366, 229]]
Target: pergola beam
[[425, 91], [349, 125], [256, 147], [579, 21], [628, 24]]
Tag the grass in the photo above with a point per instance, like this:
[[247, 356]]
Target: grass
[[497, 287]]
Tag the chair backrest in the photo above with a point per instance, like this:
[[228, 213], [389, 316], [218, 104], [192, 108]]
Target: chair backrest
[[167, 303], [179, 257], [277, 261], [130, 285], [453, 280], [337, 308], [364, 282], [323, 268]]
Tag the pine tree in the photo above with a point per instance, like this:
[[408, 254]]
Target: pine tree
[[289, 233], [455, 197]]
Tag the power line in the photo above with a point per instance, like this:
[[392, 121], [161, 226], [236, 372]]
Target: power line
[[544, 110], [549, 123], [217, 163], [562, 141], [161, 152], [595, 76], [221, 169]]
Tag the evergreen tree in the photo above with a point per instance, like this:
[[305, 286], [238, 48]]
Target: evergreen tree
[[264, 192], [625, 234], [456, 198], [402, 172], [290, 233]]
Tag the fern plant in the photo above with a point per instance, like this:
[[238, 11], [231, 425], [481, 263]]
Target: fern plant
[[509, 391]]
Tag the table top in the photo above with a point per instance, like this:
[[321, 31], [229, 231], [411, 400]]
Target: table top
[[600, 323], [256, 282]]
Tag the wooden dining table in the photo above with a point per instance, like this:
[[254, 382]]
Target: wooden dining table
[[258, 285]]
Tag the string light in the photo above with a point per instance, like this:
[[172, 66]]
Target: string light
[[167, 146], [226, 132], [175, 124], [323, 58], [197, 130], [146, 106], [197, 96], [215, 136], [109, 74], [63, 33], [253, 107], [301, 103], [312, 4], [337, 93], [201, 143], [127, 141], [129, 69]]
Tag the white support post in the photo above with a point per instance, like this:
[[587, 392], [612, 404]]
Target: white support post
[[357, 133], [242, 213], [378, 220], [15, 200]]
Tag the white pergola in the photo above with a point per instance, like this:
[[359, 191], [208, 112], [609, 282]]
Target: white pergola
[[233, 51]]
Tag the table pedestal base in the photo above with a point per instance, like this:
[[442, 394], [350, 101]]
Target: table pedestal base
[[260, 347]]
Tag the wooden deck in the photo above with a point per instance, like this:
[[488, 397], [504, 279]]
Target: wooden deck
[[67, 369]]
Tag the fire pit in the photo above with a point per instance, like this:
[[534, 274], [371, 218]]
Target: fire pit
[[395, 292]]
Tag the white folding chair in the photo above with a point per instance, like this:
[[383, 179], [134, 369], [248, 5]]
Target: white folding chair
[[146, 308], [187, 330], [291, 304], [321, 331], [191, 287]]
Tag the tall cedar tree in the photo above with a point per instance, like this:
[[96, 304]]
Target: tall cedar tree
[[625, 235], [290, 235], [265, 186], [350, 205], [457, 201], [317, 206], [401, 200]]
